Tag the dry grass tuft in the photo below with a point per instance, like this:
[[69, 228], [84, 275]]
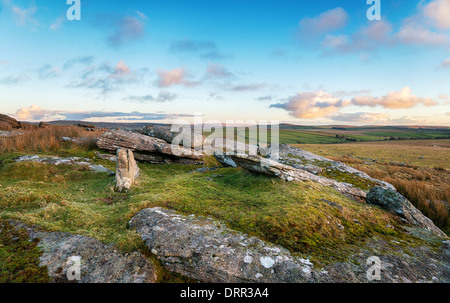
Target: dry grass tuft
[[48, 139]]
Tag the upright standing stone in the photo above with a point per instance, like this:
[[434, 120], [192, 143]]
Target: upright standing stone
[[126, 170]]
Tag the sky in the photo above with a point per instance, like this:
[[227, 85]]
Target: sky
[[305, 62]]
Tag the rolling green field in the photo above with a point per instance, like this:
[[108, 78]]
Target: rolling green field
[[293, 134]]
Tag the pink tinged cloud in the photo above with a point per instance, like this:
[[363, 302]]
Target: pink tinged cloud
[[361, 117], [439, 13], [327, 21], [403, 99], [446, 63], [127, 30], [371, 37], [121, 70], [417, 34], [312, 105], [174, 77], [320, 104]]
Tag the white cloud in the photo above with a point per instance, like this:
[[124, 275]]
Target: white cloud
[[58, 22], [37, 113], [23, 16]]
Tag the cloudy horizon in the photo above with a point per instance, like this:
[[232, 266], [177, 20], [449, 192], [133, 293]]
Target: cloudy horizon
[[302, 62]]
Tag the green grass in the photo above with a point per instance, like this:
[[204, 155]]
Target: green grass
[[19, 257], [71, 199], [293, 134]]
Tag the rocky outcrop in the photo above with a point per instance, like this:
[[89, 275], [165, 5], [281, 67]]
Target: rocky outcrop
[[81, 141], [165, 133], [87, 127], [288, 173], [206, 250], [397, 204], [109, 157], [7, 123], [146, 148], [226, 146], [126, 170], [66, 161], [100, 263], [319, 165]]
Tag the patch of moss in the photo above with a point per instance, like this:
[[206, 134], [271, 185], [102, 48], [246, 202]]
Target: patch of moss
[[19, 257], [344, 177]]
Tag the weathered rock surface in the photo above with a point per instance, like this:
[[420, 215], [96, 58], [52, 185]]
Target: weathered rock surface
[[207, 251], [288, 173], [127, 170], [80, 141], [147, 148], [165, 133], [100, 263], [395, 203], [66, 161], [204, 249], [226, 146], [7, 123], [316, 164], [109, 157]]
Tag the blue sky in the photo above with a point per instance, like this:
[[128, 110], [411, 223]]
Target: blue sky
[[304, 62]]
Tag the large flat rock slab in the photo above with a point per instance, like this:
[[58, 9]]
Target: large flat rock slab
[[146, 148], [206, 250]]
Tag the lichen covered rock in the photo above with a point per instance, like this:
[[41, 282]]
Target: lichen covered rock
[[397, 204], [206, 250], [99, 262]]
